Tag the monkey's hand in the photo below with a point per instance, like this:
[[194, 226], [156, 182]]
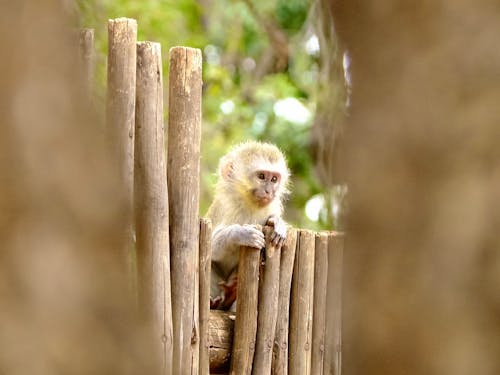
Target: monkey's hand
[[226, 243], [247, 235], [278, 235]]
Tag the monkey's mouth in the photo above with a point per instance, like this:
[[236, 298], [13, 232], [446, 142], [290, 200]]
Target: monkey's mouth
[[263, 201], [261, 198]]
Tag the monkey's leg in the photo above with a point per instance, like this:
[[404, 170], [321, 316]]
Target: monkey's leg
[[229, 290]]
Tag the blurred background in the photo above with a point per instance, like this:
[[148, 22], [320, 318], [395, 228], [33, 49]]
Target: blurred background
[[263, 75], [392, 107]]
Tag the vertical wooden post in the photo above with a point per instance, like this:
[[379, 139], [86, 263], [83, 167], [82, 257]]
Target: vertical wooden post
[[122, 35], [245, 326], [184, 135], [301, 309], [267, 308], [280, 351], [87, 56], [319, 303], [333, 339], [205, 266], [151, 201]]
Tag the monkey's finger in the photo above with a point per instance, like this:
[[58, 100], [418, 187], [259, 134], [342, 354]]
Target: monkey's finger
[[258, 242], [276, 241], [262, 242], [258, 245], [252, 237], [281, 242], [271, 221], [274, 238], [256, 233]]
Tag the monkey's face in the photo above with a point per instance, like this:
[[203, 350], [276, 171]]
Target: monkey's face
[[266, 184]]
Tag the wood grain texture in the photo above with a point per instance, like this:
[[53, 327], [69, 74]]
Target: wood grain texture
[[122, 53], [319, 303], [280, 350], [333, 339], [301, 307], [183, 170], [151, 201], [268, 308], [245, 327], [205, 260]]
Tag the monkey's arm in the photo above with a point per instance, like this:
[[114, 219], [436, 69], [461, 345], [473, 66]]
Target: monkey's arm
[[226, 242], [280, 228]]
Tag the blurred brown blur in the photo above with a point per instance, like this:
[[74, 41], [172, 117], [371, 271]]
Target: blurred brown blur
[[65, 302], [421, 154]]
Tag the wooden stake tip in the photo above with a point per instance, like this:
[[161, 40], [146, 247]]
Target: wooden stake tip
[[129, 21]]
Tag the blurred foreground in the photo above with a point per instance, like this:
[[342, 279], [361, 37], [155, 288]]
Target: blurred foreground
[[65, 303], [422, 160]]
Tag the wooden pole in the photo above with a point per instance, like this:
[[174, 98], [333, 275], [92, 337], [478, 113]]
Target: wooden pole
[[301, 309], [319, 303], [333, 339], [184, 133], [87, 57], [267, 308], [151, 201], [122, 35], [205, 266], [245, 326], [280, 350]]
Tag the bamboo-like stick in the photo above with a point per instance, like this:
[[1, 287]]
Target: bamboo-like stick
[[319, 302], [333, 339], [280, 350], [184, 135], [205, 259], [245, 326], [268, 308], [122, 51], [301, 308], [151, 201]]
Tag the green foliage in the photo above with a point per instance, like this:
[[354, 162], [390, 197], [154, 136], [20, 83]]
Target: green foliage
[[238, 103], [291, 14]]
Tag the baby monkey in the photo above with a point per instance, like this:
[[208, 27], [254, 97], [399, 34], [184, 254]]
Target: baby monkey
[[250, 190]]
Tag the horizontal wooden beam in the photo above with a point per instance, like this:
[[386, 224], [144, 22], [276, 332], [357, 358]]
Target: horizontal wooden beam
[[220, 340]]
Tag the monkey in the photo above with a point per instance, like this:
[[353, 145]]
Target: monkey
[[251, 189]]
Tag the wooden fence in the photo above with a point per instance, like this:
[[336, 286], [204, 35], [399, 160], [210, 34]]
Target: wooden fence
[[283, 324]]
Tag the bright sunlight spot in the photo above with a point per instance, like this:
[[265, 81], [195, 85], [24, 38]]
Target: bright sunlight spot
[[227, 107], [292, 110], [312, 45], [314, 206]]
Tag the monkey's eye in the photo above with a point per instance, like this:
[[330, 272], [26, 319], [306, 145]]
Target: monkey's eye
[[261, 176], [274, 179]]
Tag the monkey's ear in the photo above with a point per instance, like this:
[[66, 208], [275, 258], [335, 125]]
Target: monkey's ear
[[226, 170]]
